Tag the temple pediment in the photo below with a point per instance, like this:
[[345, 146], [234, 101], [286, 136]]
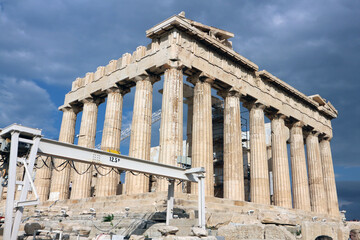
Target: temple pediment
[[192, 27]]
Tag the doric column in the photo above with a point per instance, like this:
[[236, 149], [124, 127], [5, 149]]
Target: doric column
[[171, 127], [259, 175], [316, 181], [140, 139], [233, 156], [300, 184], [202, 137], [59, 188], [82, 183], [329, 177], [107, 181], [281, 175], [43, 177]]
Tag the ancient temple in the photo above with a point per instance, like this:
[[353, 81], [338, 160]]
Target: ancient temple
[[193, 59]]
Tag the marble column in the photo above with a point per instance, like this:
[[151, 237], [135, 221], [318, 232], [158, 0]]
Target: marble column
[[316, 181], [233, 155], [43, 177], [300, 184], [202, 137], [329, 177], [60, 180], [140, 139], [81, 186], [171, 126], [259, 175], [281, 175], [108, 179]]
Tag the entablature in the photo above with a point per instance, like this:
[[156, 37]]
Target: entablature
[[193, 54]]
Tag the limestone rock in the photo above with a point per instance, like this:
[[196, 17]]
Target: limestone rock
[[242, 232], [278, 233], [30, 228], [199, 232], [153, 230], [168, 230], [136, 237], [82, 229]]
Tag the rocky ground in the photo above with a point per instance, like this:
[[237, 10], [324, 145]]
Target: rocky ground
[[142, 216]]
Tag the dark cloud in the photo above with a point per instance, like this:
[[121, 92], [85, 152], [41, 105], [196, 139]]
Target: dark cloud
[[312, 45], [26, 103], [349, 195]]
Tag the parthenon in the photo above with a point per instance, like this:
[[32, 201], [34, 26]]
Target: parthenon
[[183, 49]]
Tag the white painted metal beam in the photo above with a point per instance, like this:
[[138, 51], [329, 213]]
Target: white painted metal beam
[[68, 151]]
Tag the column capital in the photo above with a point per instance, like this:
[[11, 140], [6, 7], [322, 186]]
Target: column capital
[[201, 77], [312, 132], [96, 100], [291, 124], [177, 64], [147, 77], [231, 92], [276, 116], [255, 104], [119, 89], [325, 137], [75, 109]]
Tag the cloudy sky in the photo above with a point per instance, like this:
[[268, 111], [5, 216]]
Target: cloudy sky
[[312, 45]]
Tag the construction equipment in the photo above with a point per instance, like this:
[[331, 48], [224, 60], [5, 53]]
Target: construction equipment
[[23, 144]]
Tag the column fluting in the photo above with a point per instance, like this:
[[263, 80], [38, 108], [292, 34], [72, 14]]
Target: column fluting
[[202, 137], [171, 126], [233, 155], [329, 177], [60, 180], [81, 187], [140, 139], [259, 175], [43, 177], [300, 183], [281, 175], [107, 180], [316, 180]]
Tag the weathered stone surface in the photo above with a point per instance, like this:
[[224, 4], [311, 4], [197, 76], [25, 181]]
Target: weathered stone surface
[[233, 155], [259, 189], [153, 231], [81, 186], [202, 137], [199, 232], [137, 237], [168, 230], [82, 230], [300, 183], [277, 233], [242, 232], [186, 238], [140, 139], [107, 180], [281, 175], [316, 180], [171, 126], [30, 228], [59, 186]]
